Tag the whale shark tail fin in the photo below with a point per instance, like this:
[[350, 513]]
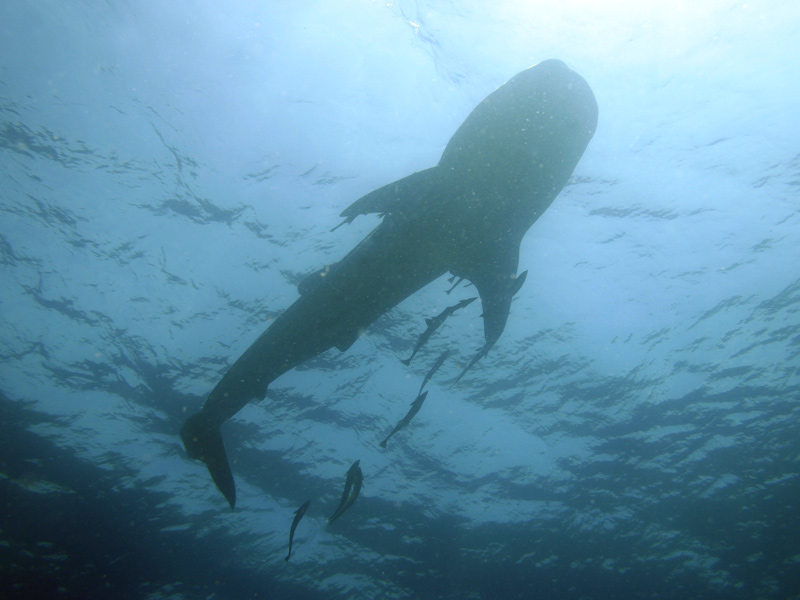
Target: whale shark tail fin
[[203, 441], [406, 361]]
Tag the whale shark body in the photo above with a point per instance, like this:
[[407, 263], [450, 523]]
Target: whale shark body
[[467, 215]]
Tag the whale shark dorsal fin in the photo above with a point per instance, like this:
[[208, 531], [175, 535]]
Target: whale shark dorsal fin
[[428, 321], [399, 196]]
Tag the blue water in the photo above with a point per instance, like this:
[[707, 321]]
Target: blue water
[[169, 171]]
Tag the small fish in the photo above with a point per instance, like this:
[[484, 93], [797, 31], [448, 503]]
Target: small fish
[[352, 487], [415, 406], [358, 481], [434, 324], [481, 353], [439, 362], [455, 285], [347, 221], [298, 514]]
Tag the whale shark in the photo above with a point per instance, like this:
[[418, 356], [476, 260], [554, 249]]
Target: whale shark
[[500, 171]]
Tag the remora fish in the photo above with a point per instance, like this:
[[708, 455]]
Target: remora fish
[[352, 487], [439, 361], [455, 285], [298, 514], [434, 324], [499, 172], [415, 406]]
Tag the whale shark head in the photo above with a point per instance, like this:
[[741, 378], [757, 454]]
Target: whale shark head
[[522, 142]]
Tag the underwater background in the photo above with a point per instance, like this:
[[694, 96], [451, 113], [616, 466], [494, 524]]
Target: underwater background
[[169, 171]]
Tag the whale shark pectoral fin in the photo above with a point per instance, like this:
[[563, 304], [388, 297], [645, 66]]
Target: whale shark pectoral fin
[[497, 282], [203, 441], [497, 288], [403, 195]]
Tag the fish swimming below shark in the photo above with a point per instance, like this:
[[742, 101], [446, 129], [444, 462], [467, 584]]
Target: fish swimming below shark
[[415, 406], [434, 324], [435, 367], [352, 487], [467, 215], [298, 514]]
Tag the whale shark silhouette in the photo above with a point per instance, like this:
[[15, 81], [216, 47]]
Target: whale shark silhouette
[[499, 172]]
